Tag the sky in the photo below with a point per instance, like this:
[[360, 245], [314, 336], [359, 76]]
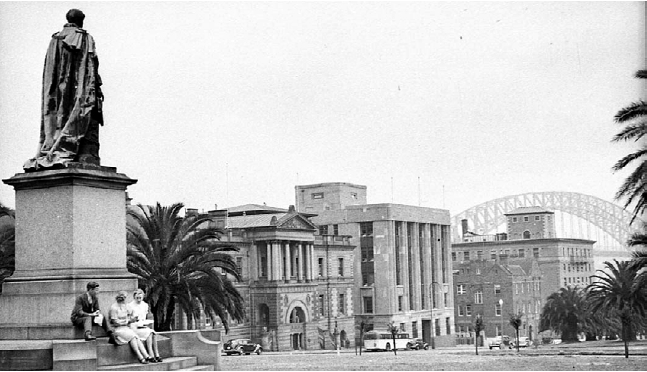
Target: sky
[[437, 104]]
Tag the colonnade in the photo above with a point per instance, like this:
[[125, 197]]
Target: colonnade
[[286, 260]]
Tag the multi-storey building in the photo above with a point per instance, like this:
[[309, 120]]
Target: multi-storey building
[[297, 284], [494, 290], [531, 232], [402, 265]]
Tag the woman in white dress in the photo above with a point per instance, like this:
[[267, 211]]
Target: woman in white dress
[[120, 318], [141, 326]]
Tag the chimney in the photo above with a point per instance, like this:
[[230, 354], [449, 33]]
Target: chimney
[[464, 226]]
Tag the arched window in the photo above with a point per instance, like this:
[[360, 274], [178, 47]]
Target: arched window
[[526, 234]]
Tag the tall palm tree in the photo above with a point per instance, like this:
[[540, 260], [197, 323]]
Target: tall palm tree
[[616, 289], [181, 261], [634, 188], [7, 243], [564, 312]]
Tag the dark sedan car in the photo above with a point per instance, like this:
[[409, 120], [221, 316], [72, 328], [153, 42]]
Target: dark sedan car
[[241, 346], [417, 344]]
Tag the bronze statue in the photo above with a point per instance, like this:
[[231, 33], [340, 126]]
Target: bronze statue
[[71, 99]]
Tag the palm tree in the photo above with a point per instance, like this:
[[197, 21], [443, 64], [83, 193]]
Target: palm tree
[[7, 243], [617, 290], [634, 188], [564, 312], [181, 261], [515, 322]]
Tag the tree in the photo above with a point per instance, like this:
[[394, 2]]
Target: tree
[[564, 312], [616, 290], [515, 322], [478, 328], [181, 261], [634, 187], [393, 329], [7, 243]]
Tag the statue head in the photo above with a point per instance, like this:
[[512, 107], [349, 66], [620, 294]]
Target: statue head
[[75, 16]]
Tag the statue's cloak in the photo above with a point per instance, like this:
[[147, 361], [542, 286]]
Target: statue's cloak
[[71, 97]]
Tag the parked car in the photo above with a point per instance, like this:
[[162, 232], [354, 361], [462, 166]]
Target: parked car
[[500, 341], [523, 342], [417, 344], [241, 346]]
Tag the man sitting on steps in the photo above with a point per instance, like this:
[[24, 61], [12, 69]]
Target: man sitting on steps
[[86, 309]]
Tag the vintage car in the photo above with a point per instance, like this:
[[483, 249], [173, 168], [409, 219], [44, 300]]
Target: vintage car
[[417, 344], [241, 346], [523, 342], [499, 341]]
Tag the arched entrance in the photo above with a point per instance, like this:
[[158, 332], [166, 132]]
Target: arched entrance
[[297, 320], [342, 339], [263, 315]]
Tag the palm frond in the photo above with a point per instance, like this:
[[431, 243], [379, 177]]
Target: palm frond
[[634, 110]]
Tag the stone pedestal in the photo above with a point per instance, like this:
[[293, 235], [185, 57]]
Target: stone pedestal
[[70, 229]]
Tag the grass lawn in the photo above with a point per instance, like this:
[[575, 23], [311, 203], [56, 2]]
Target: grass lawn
[[552, 358]]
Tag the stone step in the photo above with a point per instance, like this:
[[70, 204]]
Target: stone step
[[198, 368], [169, 364], [109, 354]]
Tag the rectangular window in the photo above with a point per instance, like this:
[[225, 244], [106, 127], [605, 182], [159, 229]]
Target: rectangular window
[[239, 266], [493, 254], [537, 218], [448, 326], [402, 327], [400, 303], [317, 195], [468, 310], [514, 219], [479, 255], [341, 303], [535, 252], [454, 256], [497, 289], [323, 230], [335, 229], [322, 305], [461, 312], [497, 309], [340, 269], [414, 329], [460, 289], [321, 267], [526, 219], [437, 326], [466, 256], [478, 297], [522, 253], [368, 305]]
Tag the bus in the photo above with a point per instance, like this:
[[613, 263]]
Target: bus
[[374, 340]]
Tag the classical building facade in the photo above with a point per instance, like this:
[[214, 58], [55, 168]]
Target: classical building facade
[[297, 284], [530, 243], [402, 268]]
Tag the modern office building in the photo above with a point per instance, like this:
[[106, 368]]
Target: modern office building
[[402, 261]]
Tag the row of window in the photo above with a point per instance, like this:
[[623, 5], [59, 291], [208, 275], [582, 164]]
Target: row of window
[[340, 267], [324, 230], [576, 268], [520, 253], [527, 218], [341, 304], [577, 280]]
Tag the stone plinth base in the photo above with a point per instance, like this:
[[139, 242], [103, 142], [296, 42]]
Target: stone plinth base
[[70, 229]]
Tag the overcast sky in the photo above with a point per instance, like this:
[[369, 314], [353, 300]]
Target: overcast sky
[[434, 104]]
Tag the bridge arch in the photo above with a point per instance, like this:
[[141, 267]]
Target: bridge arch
[[608, 217]]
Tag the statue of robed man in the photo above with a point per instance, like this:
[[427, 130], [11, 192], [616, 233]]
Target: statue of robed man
[[71, 99]]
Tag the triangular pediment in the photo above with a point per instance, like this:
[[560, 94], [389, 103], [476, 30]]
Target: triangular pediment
[[295, 221]]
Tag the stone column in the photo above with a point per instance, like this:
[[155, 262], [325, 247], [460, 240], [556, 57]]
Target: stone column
[[288, 262], [308, 259], [254, 259], [311, 246], [270, 260], [300, 260]]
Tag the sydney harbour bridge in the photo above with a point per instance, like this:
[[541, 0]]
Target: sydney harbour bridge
[[577, 216]]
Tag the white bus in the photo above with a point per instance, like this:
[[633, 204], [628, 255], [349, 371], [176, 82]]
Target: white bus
[[374, 340]]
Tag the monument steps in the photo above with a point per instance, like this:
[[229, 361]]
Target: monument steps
[[169, 364]]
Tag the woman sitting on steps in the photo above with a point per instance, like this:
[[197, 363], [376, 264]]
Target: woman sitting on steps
[[141, 326], [120, 318]]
